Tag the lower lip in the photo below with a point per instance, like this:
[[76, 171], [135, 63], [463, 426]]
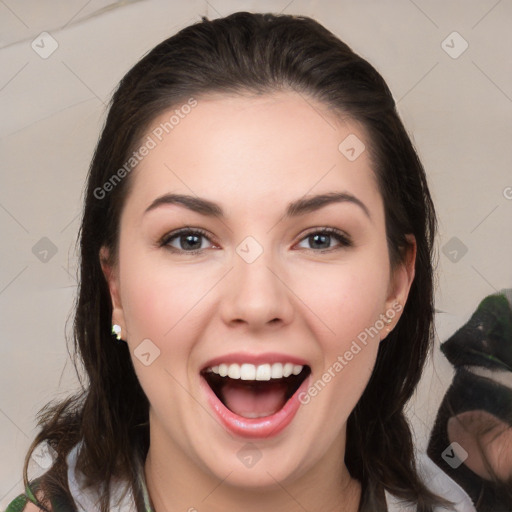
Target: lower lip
[[267, 426]]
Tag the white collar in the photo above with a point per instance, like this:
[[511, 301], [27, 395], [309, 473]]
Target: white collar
[[439, 483], [87, 499]]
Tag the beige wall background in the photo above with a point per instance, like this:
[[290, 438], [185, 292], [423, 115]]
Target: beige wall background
[[448, 64]]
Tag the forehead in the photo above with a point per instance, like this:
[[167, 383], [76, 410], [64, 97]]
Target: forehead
[[266, 149]]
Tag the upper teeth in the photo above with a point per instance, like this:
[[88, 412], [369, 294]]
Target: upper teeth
[[248, 371]]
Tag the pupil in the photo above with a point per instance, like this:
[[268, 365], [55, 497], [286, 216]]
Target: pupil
[[325, 238], [186, 239]]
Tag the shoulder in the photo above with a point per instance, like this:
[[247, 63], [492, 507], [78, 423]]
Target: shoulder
[[440, 483], [32, 507], [22, 503], [60, 498]]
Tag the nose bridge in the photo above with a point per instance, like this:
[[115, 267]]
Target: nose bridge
[[256, 293], [253, 261]]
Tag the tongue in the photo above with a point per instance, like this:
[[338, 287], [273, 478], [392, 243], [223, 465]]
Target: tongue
[[254, 400]]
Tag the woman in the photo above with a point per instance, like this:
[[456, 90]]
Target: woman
[[258, 234]]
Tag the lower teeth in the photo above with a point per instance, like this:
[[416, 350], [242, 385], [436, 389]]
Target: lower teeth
[[254, 415]]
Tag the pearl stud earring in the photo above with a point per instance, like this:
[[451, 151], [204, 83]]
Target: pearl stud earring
[[116, 331]]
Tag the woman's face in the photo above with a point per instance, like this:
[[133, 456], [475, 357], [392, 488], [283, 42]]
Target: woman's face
[[261, 291]]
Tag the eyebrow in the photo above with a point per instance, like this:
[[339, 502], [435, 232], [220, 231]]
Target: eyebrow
[[294, 209]]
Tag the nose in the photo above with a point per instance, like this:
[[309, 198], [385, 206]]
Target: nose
[[256, 294]]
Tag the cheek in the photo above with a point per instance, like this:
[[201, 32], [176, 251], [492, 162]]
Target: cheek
[[158, 304], [347, 301], [349, 348], [165, 303], [157, 296], [346, 298]]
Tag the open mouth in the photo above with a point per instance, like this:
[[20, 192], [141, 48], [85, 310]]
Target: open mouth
[[253, 391]]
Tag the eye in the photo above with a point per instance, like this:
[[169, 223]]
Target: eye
[[185, 240], [321, 239], [190, 241]]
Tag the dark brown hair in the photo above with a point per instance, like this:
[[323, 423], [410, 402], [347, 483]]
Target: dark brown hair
[[255, 53]]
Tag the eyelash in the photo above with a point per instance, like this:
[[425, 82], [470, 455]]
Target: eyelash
[[341, 237]]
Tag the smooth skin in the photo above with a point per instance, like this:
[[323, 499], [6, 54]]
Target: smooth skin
[[303, 296]]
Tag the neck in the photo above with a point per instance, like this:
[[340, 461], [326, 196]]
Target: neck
[[219, 495], [176, 483]]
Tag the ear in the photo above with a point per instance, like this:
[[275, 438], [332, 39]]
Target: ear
[[400, 282], [112, 278]]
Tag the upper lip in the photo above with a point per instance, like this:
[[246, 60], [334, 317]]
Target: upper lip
[[255, 359]]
